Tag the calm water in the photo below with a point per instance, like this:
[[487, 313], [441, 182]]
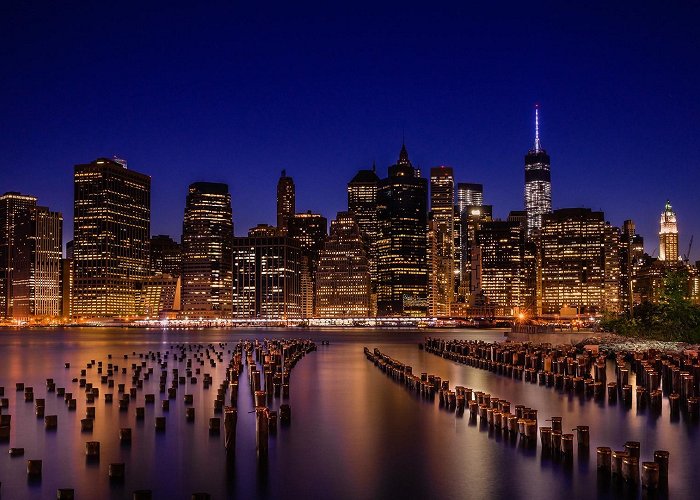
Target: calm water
[[355, 433]]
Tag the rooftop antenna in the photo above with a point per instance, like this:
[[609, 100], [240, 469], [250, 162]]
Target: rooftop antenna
[[538, 146]]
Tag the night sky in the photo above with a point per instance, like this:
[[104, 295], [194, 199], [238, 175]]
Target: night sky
[[237, 91]]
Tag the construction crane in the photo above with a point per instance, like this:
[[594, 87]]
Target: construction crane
[[686, 257]]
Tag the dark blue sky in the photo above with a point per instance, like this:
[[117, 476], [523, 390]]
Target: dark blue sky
[[236, 91]]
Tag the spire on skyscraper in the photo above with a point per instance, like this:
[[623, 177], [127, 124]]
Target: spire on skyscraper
[[538, 145], [403, 156]]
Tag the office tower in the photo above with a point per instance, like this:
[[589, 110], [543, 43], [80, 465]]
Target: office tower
[[267, 277], [111, 232], [442, 224], [538, 182], [469, 194], [343, 278], [402, 267], [457, 223], [36, 278], [631, 261], [12, 206], [310, 230], [362, 204], [286, 201], [207, 235], [573, 263], [500, 263], [165, 256], [472, 218], [668, 235], [264, 230]]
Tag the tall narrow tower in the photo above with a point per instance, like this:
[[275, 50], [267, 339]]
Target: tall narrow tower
[[668, 235], [443, 238], [538, 183], [286, 201]]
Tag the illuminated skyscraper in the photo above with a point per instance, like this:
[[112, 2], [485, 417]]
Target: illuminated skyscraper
[[111, 230], [573, 262], [13, 206], [286, 201], [469, 194], [631, 261], [362, 204], [207, 235], [36, 280], [267, 271], [538, 182], [402, 267], [310, 231], [442, 232], [342, 278], [472, 218], [502, 265], [668, 235]]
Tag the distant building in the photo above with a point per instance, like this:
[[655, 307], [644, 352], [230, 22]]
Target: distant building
[[501, 265], [267, 277], [668, 235], [111, 230], [36, 280], [442, 233], [469, 194], [343, 279], [472, 218], [573, 262], [66, 288], [310, 230], [402, 267], [538, 183], [165, 256], [13, 206], [207, 236], [286, 201]]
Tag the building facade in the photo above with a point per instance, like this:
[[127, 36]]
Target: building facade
[[165, 256], [207, 238], [111, 233], [402, 266], [343, 281]]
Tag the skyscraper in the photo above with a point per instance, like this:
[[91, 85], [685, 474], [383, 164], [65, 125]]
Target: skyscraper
[[362, 204], [402, 267], [573, 262], [342, 279], [13, 206], [501, 265], [310, 231], [469, 194], [267, 277], [286, 201], [538, 182], [442, 259], [631, 260], [36, 280], [668, 235], [111, 230], [207, 236]]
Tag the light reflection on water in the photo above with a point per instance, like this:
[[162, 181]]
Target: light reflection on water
[[355, 432]]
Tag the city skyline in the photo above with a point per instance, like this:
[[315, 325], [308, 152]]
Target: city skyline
[[613, 147]]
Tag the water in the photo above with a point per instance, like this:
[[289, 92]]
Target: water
[[355, 432]]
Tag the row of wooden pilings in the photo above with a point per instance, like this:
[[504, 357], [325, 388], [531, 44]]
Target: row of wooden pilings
[[555, 443], [567, 369], [277, 359]]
